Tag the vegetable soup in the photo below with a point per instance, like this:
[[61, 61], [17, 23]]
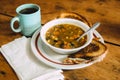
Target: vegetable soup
[[65, 36]]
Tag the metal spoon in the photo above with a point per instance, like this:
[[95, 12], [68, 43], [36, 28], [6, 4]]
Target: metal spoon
[[96, 25]]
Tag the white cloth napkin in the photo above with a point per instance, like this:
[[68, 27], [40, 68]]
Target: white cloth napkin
[[19, 55]]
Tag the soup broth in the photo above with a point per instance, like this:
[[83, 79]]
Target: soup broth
[[65, 36]]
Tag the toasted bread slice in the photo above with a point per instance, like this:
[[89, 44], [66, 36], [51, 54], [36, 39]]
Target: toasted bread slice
[[74, 15], [94, 49]]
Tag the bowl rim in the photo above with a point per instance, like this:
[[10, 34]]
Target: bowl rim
[[42, 33]]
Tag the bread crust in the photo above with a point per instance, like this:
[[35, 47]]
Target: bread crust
[[74, 15]]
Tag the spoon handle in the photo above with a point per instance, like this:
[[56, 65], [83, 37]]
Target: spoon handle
[[96, 25]]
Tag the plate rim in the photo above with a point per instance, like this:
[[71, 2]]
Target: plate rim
[[49, 63]]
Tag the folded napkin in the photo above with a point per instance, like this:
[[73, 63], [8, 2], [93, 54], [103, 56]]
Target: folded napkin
[[19, 55]]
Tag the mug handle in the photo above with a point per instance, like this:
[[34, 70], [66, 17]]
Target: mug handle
[[12, 24]]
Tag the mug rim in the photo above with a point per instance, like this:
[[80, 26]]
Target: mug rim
[[23, 6]]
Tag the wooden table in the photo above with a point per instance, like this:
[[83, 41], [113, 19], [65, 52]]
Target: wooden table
[[105, 11]]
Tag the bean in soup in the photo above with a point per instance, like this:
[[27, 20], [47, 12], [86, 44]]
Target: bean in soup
[[65, 36]]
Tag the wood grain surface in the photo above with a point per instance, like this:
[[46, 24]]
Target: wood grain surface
[[105, 11]]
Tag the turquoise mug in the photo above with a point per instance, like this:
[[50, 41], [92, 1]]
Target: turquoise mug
[[29, 19]]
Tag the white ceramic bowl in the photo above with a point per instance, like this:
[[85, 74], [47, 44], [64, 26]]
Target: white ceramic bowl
[[65, 21]]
